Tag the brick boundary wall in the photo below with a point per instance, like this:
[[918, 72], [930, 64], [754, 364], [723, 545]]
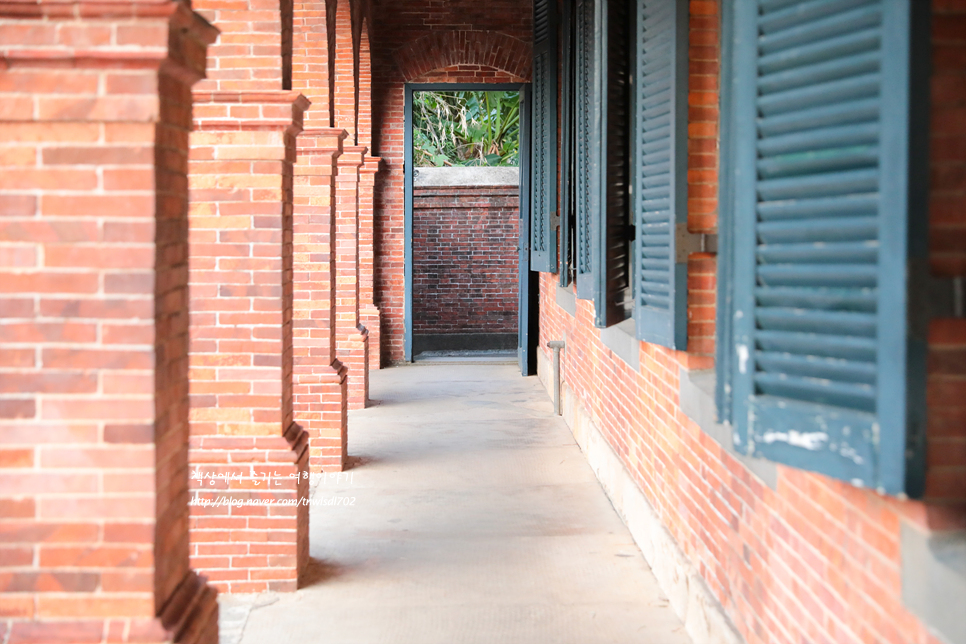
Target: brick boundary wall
[[95, 110], [812, 559], [396, 29], [465, 262]]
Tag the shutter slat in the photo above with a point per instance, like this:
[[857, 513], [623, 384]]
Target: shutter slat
[[814, 52], [845, 299], [829, 392], [806, 230], [853, 88], [823, 185], [819, 161], [801, 12], [834, 25], [817, 321], [819, 139], [853, 205], [852, 112], [817, 367], [820, 345], [862, 63], [660, 108], [854, 275], [819, 253]]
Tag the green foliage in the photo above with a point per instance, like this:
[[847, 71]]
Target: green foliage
[[466, 128]]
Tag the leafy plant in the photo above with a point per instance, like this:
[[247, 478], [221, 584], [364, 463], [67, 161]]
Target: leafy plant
[[466, 128]]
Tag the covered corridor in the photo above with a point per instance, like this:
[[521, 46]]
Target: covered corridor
[[743, 220], [475, 518]]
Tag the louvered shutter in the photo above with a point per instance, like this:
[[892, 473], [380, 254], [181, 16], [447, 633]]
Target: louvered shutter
[[660, 170], [587, 145], [543, 186], [829, 217], [613, 230], [567, 128]]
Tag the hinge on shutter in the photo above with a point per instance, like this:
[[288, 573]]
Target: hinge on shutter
[[686, 243]]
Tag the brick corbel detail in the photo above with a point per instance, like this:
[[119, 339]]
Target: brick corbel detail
[[93, 166], [247, 453], [352, 339], [320, 378], [368, 311]]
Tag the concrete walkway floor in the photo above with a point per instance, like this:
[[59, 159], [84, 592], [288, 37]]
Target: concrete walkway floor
[[472, 517]]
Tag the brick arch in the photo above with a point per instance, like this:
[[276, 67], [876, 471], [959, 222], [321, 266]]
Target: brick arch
[[447, 49]]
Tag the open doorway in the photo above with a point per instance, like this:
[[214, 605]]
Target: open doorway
[[468, 283]]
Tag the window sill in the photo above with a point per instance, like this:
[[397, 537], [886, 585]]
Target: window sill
[[696, 394], [622, 340], [566, 300]]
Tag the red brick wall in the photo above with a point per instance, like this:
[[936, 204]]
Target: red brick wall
[[946, 476], [481, 29], [465, 259], [815, 559], [93, 323]]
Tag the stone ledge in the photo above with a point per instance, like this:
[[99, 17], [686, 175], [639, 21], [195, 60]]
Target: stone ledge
[[473, 176], [622, 340]]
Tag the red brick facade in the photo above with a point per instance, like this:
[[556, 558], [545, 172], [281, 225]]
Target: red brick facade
[[813, 559], [465, 260]]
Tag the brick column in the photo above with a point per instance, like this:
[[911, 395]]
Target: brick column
[[95, 109], [320, 378], [368, 311], [352, 339], [246, 447]]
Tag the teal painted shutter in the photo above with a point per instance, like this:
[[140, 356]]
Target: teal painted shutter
[[613, 230], [587, 145], [543, 186], [829, 215], [660, 164], [567, 156]]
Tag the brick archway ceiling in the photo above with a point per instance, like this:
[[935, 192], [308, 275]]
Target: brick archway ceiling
[[439, 50]]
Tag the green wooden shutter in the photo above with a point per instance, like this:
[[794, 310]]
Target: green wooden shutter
[[660, 165], [829, 215], [543, 186], [613, 230], [587, 134], [567, 152]]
